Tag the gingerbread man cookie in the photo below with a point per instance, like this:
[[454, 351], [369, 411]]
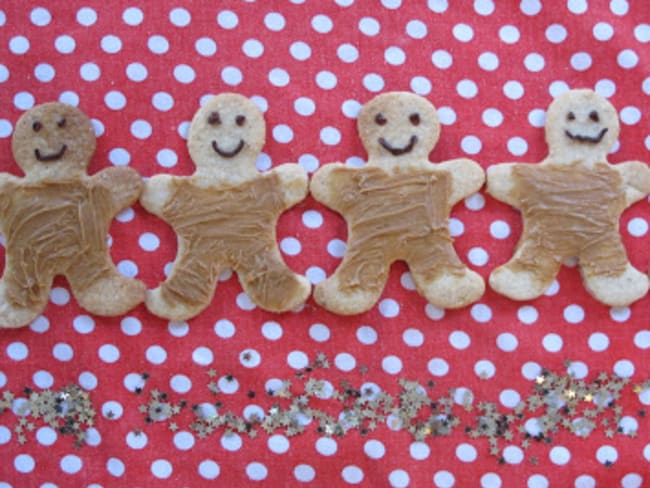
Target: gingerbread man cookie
[[571, 203], [397, 208], [55, 220], [225, 214]]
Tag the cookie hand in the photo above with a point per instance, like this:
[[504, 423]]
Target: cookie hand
[[124, 184], [636, 180], [467, 177], [293, 181], [500, 183], [321, 187], [156, 193]]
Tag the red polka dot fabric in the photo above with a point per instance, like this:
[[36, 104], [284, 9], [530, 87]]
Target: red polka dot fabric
[[141, 69]]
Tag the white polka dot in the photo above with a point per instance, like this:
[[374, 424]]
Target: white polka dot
[[352, 474], [620, 314], [399, 478], [534, 62], [141, 129], [552, 342], [434, 313], [492, 117], [43, 379], [319, 332], [112, 410], [19, 45], [167, 158], [416, 29], [467, 88], [109, 353], [560, 455], [373, 82], [619, 7], [394, 56], [231, 76], [336, 248], [389, 308], [297, 360], [447, 115], [46, 436], [444, 479], [484, 7], [438, 367], [513, 90], [607, 454], [161, 469], [205, 46], [632, 480], [509, 34], [202, 356], [507, 342], [183, 440], [272, 331], [181, 383], [366, 335], [132, 16], [577, 6], [499, 229], [537, 118], [581, 61], [527, 314], [136, 72], [131, 326], [326, 446], [184, 74], [282, 133], [556, 33], [374, 449], [24, 463], [24, 100], [509, 398], [574, 314], [441, 59], [488, 61], [466, 453], [300, 50], [17, 351], [274, 21], [71, 464], [115, 100], [86, 16], [84, 324], [471, 145], [62, 352], [630, 115], [227, 19], [459, 340], [87, 381], [624, 368], [156, 354], [5, 128], [392, 4], [224, 328], [484, 369], [530, 7], [578, 370], [517, 146], [304, 473], [322, 23], [603, 31], [481, 312], [369, 26], [291, 246], [391, 364], [642, 33], [420, 85], [463, 32], [413, 337], [278, 444], [40, 16], [598, 341], [642, 339], [330, 136], [209, 469], [304, 106], [345, 361], [478, 256]]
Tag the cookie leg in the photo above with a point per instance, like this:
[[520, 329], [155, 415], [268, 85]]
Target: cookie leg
[[615, 290], [188, 290], [20, 302], [527, 275], [442, 278], [357, 283], [270, 283], [100, 288]]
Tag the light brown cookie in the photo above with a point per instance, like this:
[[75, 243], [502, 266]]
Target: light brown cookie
[[571, 204], [225, 214], [397, 208], [55, 220]]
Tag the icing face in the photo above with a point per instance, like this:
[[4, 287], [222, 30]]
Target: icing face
[[53, 138], [228, 130], [581, 124], [393, 125]]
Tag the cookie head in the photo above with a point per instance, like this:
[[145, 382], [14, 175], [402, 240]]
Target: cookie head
[[53, 138], [227, 130], [581, 123], [398, 125]]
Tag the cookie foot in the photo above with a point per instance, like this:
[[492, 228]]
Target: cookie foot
[[452, 290], [160, 307], [13, 317], [296, 296], [330, 295], [618, 291], [111, 296], [518, 285]]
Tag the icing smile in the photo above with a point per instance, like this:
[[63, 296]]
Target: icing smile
[[398, 151], [228, 154], [589, 139], [44, 158]]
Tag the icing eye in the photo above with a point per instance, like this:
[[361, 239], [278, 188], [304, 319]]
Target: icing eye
[[593, 115], [571, 116], [380, 119], [415, 118], [240, 120], [214, 119], [61, 123], [37, 126]]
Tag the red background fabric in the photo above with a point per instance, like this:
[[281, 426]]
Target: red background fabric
[[491, 68]]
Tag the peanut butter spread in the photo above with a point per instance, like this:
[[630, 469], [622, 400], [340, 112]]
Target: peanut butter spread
[[394, 217], [53, 227], [572, 211], [227, 226]]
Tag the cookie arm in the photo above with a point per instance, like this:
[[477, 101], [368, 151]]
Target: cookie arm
[[322, 185], [467, 177], [636, 180], [124, 186], [501, 184], [293, 182], [7, 184], [157, 192]]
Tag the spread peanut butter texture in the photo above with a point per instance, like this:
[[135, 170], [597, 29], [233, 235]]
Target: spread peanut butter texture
[[394, 217], [227, 227], [571, 211], [54, 227]]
